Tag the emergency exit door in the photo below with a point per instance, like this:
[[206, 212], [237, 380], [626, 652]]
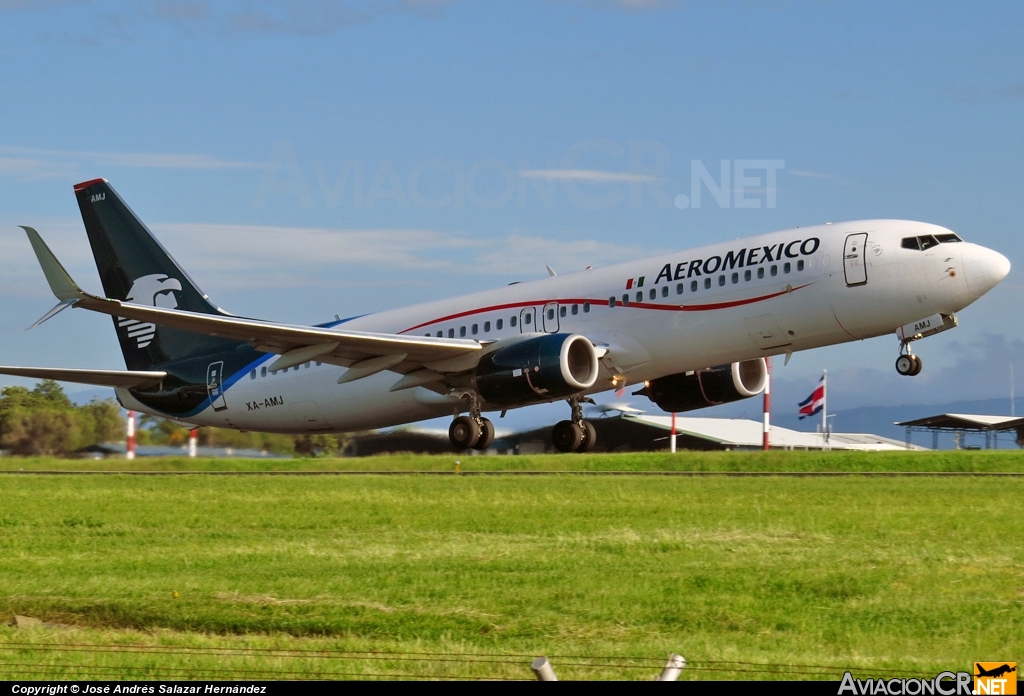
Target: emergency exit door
[[854, 267]]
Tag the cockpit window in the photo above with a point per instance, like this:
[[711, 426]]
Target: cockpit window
[[928, 241]]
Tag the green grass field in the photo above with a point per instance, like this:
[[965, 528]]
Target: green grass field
[[901, 575], [943, 461]]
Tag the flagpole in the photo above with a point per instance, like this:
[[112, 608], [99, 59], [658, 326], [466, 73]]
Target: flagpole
[[824, 408]]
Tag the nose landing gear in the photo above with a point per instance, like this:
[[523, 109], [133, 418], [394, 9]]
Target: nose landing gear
[[575, 435], [908, 364], [472, 431]]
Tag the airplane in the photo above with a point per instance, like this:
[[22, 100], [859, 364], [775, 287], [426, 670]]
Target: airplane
[[692, 329]]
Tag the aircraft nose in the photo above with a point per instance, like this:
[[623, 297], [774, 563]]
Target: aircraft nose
[[984, 268]]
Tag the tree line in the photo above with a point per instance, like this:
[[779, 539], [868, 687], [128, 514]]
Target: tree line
[[44, 421]]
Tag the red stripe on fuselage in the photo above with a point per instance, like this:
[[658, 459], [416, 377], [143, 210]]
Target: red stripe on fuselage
[[631, 305]]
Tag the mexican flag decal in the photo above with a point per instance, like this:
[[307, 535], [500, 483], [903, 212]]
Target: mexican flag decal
[[635, 282]]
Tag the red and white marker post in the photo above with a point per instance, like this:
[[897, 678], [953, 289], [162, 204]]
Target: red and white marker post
[[766, 433], [192, 442], [130, 449]]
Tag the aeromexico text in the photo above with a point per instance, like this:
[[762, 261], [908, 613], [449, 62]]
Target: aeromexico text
[[738, 259]]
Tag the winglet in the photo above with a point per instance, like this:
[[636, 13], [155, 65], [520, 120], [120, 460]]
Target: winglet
[[60, 282]]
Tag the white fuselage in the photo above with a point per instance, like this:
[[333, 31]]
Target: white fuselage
[[690, 311]]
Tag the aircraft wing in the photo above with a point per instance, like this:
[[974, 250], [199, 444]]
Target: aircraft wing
[[271, 337], [367, 352], [130, 379]]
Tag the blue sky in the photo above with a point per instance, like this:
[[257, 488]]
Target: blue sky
[[493, 138]]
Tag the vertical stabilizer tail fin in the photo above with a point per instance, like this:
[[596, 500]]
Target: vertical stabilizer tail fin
[[135, 267]]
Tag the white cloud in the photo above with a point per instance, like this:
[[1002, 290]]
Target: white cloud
[[297, 255], [589, 175], [28, 169], [809, 174], [232, 257], [68, 159]]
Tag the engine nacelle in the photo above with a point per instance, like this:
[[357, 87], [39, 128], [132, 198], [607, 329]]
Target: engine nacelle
[[686, 391], [537, 369]]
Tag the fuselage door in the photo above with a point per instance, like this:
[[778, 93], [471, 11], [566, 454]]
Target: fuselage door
[[853, 259], [215, 385], [527, 320], [551, 317]]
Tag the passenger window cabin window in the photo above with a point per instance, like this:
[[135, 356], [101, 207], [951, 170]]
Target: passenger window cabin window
[[528, 319], [693, 286], [707, 283], [252, 375], [775, 270], [721, 280], [640, 296], [586, 307], [462, 331], [746, 274], [487, 326], [575, 309], [498, 324], [451, 333], [910, 243], [512, 321], [307, 365], [653, 294], [561, 311], [440, 334], [679, 288], [551, 314], [625, 299], [735, 278], [800, 265], [760, 272], [611, 301], [475, 329], [318, 363], [263, 371], [786, 267]]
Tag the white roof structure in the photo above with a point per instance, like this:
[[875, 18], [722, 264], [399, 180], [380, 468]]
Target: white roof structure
[[966, 421], [743, 433]]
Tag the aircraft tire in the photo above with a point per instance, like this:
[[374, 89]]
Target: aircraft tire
[[589, 437], [463, 433], [905, 365], [566, 436], [486, 435], [918, 365]]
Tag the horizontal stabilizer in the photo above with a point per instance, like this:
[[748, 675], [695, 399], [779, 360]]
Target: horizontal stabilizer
[[129, 379]]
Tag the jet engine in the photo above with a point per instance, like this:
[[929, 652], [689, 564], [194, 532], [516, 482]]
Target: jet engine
[[537, 369], [686, 391]]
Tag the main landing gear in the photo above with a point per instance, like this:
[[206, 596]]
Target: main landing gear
[[908, 364], [472, 431], [575, 435]]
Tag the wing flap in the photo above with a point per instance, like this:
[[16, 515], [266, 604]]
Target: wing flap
[[129, 379]]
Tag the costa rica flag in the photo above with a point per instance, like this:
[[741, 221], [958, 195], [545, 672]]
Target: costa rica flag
[[815, 402]]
